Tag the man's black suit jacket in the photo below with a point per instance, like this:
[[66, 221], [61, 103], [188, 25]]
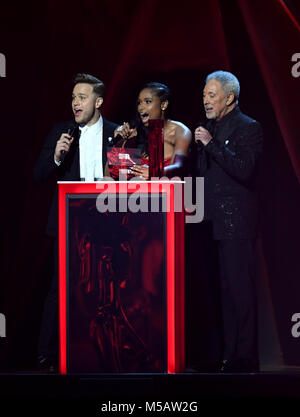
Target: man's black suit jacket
[[69, 169], [229, 165]]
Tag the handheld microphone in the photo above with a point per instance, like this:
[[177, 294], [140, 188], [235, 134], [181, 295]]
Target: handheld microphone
[[70, 131], [199, 143]]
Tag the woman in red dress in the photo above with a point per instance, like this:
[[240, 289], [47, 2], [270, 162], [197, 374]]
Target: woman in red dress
[[152, 103]]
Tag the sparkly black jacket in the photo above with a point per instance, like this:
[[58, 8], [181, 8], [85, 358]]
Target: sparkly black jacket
[[229, 165]]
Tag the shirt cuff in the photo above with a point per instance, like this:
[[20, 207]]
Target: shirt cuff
[[57, 162]]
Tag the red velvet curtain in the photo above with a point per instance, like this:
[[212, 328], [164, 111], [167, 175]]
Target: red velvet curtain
[[275, 36], [167, 35]]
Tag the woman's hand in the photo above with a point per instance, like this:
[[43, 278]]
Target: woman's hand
[[140, 171], [125, 131]]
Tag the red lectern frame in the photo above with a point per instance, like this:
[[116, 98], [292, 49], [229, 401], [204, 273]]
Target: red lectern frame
[[175, 263]]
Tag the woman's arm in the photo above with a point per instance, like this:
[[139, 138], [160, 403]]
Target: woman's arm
[[183, 137], [182, 141]]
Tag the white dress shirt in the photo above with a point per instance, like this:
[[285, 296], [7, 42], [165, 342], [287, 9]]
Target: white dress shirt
[[90, 151]]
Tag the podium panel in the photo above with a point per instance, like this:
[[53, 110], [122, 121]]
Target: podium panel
[[121, 283]]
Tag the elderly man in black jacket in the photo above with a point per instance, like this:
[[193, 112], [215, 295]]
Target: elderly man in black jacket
[[74, 151], [228, 152]]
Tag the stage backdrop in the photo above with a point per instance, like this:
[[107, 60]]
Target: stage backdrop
[[128, 43]]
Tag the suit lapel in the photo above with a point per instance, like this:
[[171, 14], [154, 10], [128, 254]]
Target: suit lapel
[[106, 133], [226, 129], [75, 170], [104, 143]]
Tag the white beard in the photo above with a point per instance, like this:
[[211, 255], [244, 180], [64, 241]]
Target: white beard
[[211, 115]]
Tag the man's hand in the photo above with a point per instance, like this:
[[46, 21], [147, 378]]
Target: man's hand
[[202, 135], [63, 144]]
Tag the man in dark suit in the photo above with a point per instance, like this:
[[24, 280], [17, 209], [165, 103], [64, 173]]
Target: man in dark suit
[[74, 151], [228, 152]]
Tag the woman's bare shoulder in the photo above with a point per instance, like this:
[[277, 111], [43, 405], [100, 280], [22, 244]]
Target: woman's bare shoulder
[[180, 128]]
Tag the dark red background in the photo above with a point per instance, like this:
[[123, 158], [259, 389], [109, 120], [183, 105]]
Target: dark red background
[[127, 43]]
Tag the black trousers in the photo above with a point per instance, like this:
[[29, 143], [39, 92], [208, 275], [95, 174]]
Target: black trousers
[[239, 313], [48, 338]]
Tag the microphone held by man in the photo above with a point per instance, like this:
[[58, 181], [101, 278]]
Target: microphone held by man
[[63, 144]]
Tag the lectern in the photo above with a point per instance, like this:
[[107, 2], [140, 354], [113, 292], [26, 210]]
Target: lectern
[[121, 277]]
